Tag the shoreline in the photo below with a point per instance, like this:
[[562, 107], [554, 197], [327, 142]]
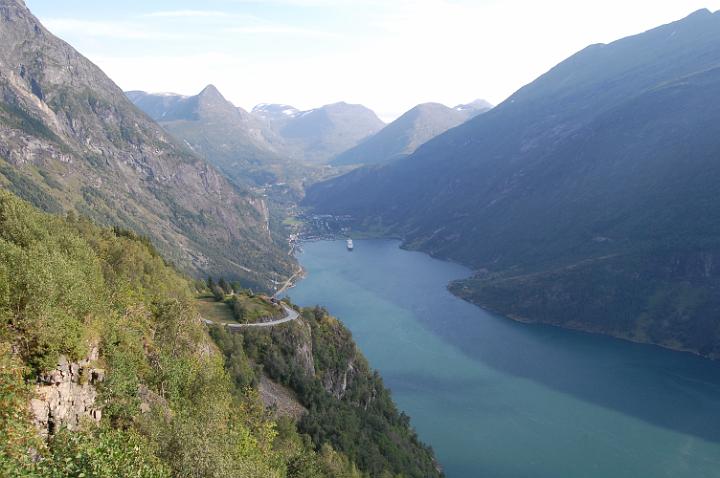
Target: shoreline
[[299, 274], [584, 330], [525, 320]]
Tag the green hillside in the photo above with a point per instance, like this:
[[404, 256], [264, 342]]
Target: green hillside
[[172, 404]]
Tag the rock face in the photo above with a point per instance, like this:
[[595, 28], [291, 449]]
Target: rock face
[[304, 350], [71, 140], [280, 398], [335, 377], [336, 381], [65, 396]]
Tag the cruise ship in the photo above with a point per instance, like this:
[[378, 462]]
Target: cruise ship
[[350, 245]]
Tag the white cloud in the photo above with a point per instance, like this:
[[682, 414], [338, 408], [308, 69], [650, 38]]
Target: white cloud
[[188, 14], [92, 28], [322, 3], [278, 30], [402, 53]]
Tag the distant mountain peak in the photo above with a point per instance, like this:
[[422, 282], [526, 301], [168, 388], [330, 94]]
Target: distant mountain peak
[[211, 91], [429, 105], [479, 105], [341, 105], [702, 12], [270, 109], [411, 130], [426, 110], [169, 94], [319, 134]]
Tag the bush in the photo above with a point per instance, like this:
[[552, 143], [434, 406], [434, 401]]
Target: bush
[[102, 453], [18, 434], [218, 293]]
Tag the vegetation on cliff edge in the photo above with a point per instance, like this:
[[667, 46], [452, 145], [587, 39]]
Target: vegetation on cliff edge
[[170, 406]]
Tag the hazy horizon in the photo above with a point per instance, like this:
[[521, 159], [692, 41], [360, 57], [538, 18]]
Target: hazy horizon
[[388, 56]]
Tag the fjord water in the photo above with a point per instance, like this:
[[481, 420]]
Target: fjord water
[[499, 399]]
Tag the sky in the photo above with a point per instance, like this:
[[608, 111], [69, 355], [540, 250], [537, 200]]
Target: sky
[[388, 55]]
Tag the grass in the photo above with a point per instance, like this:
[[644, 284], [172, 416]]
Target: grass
[[219, 312], [254, 309]]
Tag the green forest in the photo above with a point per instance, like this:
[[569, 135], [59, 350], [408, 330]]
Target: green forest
[[348, 405], [174, 404]]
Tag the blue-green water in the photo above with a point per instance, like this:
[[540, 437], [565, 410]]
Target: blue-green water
[[500, 399]]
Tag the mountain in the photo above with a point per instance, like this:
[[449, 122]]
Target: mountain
[[159, 105], [404, 135], [71, 141], [588, 199], [474, 108], [318, 135], [274, 143], [276, 114], [230, 138]]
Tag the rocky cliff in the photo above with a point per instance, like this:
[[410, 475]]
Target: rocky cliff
[[71, 141], [336, 381], [65, 396], [303, 345], [311, 368]]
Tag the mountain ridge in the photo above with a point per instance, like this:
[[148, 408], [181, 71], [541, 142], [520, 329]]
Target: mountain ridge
[[71, 141], [317, 135], [271, 136], [574, 166], [404, 135], [478, 105], [229, 137]]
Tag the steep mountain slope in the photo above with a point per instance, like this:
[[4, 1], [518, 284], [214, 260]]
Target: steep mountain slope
[[70, 140], [588, 199], [404, 135], [348, 405], [107, 370], [230, 138], [317, 135]]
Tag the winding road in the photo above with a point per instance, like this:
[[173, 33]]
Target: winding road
[[289, 283], [290, 315]]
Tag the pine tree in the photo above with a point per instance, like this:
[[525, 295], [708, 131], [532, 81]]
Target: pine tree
[[224, 285]]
